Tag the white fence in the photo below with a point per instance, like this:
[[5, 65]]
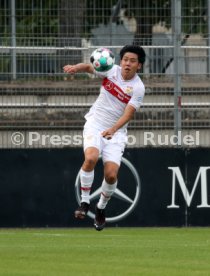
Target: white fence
[[38, 40]]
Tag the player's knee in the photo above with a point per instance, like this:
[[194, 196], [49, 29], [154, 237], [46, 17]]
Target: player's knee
[[111, 177], [89, 163]]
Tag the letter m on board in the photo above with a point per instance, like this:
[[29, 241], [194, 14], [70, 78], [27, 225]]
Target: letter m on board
[[177, 175]]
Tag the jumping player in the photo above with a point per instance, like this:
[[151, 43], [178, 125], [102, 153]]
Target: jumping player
[[105, 130]]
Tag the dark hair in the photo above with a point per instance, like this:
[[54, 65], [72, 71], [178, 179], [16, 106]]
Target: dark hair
[[134, 49]]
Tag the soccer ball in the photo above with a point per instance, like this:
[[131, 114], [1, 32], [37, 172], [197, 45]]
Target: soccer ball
[[102, 59]]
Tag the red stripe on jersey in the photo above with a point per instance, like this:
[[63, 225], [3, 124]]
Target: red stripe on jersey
[[115, 90]]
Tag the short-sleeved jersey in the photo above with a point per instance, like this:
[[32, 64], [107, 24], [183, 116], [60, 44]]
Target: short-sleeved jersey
[[115, 94]]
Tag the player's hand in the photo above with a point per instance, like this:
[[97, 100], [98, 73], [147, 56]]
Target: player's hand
[[108, 133], [71, 69]]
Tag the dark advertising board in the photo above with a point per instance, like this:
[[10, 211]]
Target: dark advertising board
[[156, 187]]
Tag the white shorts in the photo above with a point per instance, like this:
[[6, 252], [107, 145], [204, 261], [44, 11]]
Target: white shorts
[[110, 150]]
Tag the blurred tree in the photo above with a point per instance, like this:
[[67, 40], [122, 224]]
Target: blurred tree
[[36, 22], [72, 19]]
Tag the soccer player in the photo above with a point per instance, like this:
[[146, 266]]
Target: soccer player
[[105, 130]]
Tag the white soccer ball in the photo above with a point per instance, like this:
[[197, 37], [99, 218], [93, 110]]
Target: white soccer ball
[[102, 59]]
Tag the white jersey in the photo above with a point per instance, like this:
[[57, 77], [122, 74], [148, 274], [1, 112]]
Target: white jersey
[[115, 94]]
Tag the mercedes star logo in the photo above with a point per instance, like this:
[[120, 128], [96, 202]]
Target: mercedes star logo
[[119, 194], [109, 85]]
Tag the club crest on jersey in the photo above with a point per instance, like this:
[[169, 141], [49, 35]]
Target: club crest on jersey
[[128, 90]]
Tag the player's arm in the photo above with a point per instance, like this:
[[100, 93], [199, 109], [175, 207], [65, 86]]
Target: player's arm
[[77, 68], [124, 119]]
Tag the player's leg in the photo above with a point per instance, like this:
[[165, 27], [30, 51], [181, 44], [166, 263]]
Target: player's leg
[[87, 172], [91, 152], [111, 155], [86, 180], [108, 187], [109, 183]]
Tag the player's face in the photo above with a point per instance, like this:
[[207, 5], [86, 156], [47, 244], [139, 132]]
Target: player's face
[[129, 65]]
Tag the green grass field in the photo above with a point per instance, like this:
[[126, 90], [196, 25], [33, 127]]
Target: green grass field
[[114, 251]]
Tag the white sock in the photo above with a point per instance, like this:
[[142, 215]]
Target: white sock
[[107, 191], [86, 180]]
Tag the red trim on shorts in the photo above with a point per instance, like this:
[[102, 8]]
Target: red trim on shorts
[[115, 90]]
